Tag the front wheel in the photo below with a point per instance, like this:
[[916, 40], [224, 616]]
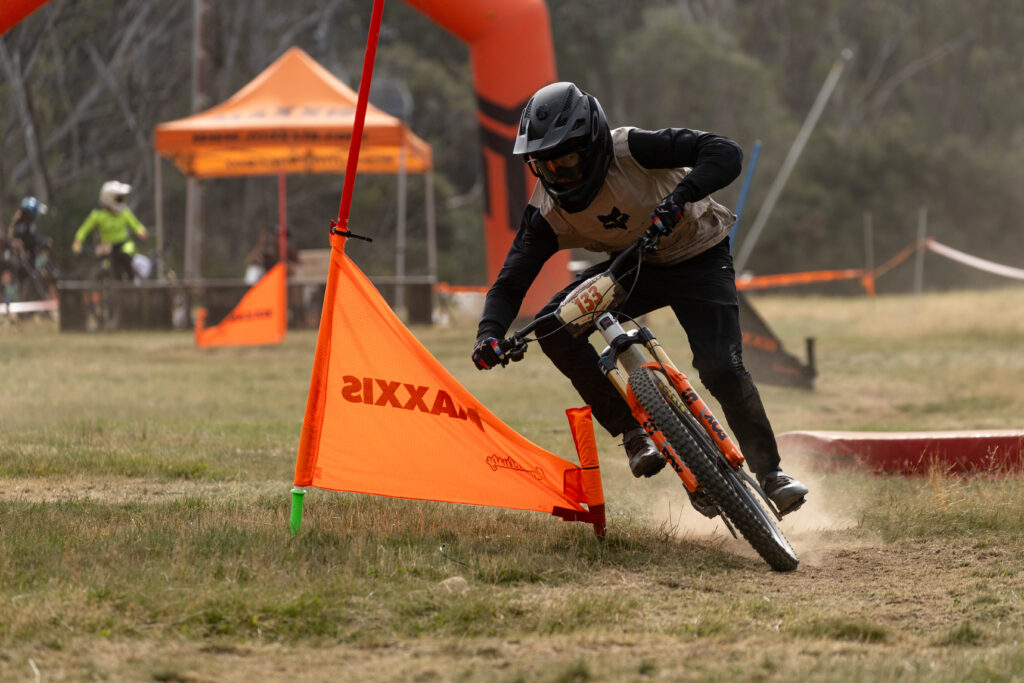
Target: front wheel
[[731, 491]]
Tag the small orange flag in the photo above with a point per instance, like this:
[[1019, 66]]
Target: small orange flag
[[261, 317], [384, 417]]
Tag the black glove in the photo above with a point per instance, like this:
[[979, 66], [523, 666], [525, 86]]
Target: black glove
[[667, 214], [487, 353]]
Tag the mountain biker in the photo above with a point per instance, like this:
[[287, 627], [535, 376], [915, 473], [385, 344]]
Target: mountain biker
[[599, 190], [21, 233], [116, 224], [22, 249]]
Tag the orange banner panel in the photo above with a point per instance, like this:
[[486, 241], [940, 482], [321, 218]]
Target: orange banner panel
[[261, 317], [384, 417]]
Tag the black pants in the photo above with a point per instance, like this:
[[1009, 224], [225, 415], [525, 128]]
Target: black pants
[[121, 262], [702, 293]]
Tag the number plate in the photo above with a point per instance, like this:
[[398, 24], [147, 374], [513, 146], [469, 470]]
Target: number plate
[[591, 298]]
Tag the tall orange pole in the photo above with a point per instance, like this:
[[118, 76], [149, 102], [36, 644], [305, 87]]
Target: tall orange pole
[[357, 126]]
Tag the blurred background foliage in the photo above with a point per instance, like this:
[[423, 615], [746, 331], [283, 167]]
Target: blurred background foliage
[[929, 112]]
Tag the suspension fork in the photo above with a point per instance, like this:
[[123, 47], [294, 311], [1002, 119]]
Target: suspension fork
[[697, 407], [621, 358], [693, 401], [623, 352]]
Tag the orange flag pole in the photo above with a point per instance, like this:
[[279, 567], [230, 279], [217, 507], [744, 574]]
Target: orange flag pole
[[318, 384], [357, 126]]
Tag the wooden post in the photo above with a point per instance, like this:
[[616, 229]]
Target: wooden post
[[922, 234], [400, 238], [158, 209], [868, 281], [431, 240], [869, 243], [193, 191], [282, 220]]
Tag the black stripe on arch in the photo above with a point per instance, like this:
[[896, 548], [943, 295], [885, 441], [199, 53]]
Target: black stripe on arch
[[502, 114], [515, 176]]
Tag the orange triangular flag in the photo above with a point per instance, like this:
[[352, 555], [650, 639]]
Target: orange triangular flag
[[384, 417], [261, 317]]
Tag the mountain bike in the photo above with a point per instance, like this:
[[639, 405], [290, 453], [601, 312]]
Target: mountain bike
[[31, 283], [102, 309], [693, 441]]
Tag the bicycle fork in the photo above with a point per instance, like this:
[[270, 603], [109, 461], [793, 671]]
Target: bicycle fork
[[622, 357]]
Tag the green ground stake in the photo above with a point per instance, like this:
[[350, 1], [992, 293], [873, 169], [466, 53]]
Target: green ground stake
[[296, 522]]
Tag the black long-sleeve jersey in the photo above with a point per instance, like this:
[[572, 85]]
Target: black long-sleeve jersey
[[715, 162]]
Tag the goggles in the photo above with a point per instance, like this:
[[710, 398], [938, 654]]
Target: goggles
[[563, 171]]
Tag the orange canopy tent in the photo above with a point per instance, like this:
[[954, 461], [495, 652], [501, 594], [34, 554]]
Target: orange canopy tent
[[295, 117]]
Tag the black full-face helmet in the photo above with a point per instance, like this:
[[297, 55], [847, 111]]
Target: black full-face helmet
[[564, 139]]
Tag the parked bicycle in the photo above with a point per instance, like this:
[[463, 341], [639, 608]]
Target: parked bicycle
[[662, 399]]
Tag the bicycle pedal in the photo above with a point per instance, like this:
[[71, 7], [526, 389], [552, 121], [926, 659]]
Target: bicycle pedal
[[703, 504], [794, 507]]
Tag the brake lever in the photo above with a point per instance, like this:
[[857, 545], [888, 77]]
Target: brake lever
[[653, 234], [512, 348]]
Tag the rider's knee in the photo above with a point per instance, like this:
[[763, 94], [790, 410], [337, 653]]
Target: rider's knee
[[724, 373]]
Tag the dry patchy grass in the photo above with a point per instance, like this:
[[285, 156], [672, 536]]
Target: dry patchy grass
[[143, 514]]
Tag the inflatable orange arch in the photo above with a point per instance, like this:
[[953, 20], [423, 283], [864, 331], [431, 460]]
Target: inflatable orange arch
[[513, 56]]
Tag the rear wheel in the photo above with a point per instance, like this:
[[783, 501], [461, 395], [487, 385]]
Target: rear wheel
[[734, 493]]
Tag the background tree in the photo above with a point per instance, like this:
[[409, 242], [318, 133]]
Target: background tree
[[929, 112]]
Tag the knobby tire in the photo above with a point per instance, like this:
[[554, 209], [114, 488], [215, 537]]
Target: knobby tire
[[687, 437]]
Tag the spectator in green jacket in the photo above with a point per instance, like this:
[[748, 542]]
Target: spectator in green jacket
[[117, 225]]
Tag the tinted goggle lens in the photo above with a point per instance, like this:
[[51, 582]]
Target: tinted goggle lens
[[564, 170]]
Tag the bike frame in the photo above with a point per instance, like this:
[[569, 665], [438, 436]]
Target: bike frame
[[635, 358], [588, 304]]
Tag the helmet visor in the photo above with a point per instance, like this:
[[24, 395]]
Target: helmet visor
[[565, 171]]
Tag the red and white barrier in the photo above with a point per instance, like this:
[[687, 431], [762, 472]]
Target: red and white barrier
[[28, 306], [1000, 451]]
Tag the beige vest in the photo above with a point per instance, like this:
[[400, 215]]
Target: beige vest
[[621, 211]]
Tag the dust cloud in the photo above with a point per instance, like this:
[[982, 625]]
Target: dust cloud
[[815, 530]]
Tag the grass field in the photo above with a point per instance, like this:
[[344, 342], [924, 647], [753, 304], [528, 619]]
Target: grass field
[[144, 509]]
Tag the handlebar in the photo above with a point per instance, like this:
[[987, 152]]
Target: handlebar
[[516, 344], [648, 240]]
